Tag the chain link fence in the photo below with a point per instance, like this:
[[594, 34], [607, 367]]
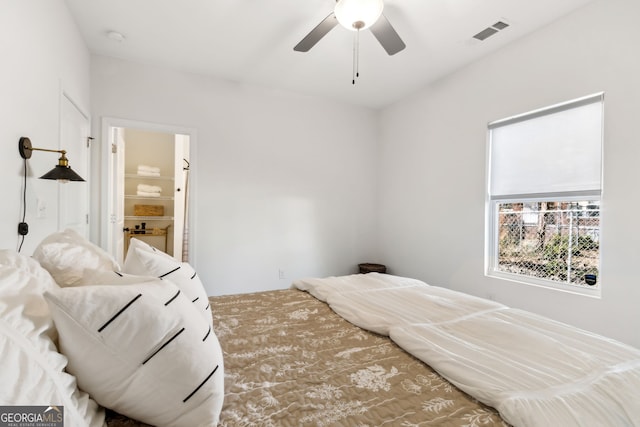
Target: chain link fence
[[557, 241]]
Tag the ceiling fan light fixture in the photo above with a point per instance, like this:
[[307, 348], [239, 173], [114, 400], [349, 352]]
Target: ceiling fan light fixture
[[358, 14]]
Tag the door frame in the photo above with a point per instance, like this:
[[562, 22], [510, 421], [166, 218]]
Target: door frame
[[108, 182]]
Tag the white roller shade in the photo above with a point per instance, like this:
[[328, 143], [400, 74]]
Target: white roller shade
[[549, 151]]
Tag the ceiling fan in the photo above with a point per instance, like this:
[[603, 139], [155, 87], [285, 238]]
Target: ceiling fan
[[356, 15]]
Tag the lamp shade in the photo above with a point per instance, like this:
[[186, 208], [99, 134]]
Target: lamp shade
[[358, 14], [62, 173]]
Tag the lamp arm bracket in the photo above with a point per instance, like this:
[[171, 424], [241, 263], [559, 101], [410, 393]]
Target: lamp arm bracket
[[26, 149]]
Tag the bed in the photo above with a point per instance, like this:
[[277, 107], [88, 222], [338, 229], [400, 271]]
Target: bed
[[534, 371], [359, 350], [291, 361], [311, 367]]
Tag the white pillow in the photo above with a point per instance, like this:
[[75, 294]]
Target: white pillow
[[32, 371], [145, 260], [142, 350], [66, 254], [139, 244], [100, 277]]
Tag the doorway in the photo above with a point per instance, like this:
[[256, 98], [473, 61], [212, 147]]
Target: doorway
[[148, 187]]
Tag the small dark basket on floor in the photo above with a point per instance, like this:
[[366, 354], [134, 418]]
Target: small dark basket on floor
[[372, 268]]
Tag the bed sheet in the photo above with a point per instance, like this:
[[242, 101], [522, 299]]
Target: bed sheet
[[291, 361], [537, 372]]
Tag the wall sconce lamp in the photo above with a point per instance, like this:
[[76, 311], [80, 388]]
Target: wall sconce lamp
[[61, 172]]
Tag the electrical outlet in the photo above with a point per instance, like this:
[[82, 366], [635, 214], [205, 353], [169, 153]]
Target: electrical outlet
[[281, 274]]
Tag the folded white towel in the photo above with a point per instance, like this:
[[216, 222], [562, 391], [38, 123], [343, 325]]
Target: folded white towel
[[143, 173], [146, 168], [149, 188], [145, 194]]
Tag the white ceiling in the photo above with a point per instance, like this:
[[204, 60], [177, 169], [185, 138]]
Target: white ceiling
[[251, 41]]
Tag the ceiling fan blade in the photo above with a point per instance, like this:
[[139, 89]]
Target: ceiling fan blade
[[387, 36], [317, 33]]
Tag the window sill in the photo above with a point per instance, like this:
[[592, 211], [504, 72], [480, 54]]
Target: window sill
[[592, 292]]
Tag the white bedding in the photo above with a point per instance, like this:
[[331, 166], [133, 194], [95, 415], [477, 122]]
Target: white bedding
[[534, 371]]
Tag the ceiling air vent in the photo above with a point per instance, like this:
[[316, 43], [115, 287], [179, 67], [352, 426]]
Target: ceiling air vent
[[489, 31], [500, 25]]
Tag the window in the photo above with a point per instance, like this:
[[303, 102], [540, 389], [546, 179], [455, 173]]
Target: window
[[544, 187]]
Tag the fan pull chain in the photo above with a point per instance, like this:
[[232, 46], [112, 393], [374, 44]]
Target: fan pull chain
[[358, 25], [355, 54], [358, 53]]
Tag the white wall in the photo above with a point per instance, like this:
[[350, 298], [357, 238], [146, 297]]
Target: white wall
[[42, 56], [281, 181], [432, 204]]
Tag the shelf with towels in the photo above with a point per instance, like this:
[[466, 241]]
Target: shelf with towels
[[145, 177], [147, 218], [135, 196], [147, 187]]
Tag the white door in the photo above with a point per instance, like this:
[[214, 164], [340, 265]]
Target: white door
[[113, 189], [180, 194], [118, 152], [74, 196]]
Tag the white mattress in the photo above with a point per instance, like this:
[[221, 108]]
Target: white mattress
[[533, 370]]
